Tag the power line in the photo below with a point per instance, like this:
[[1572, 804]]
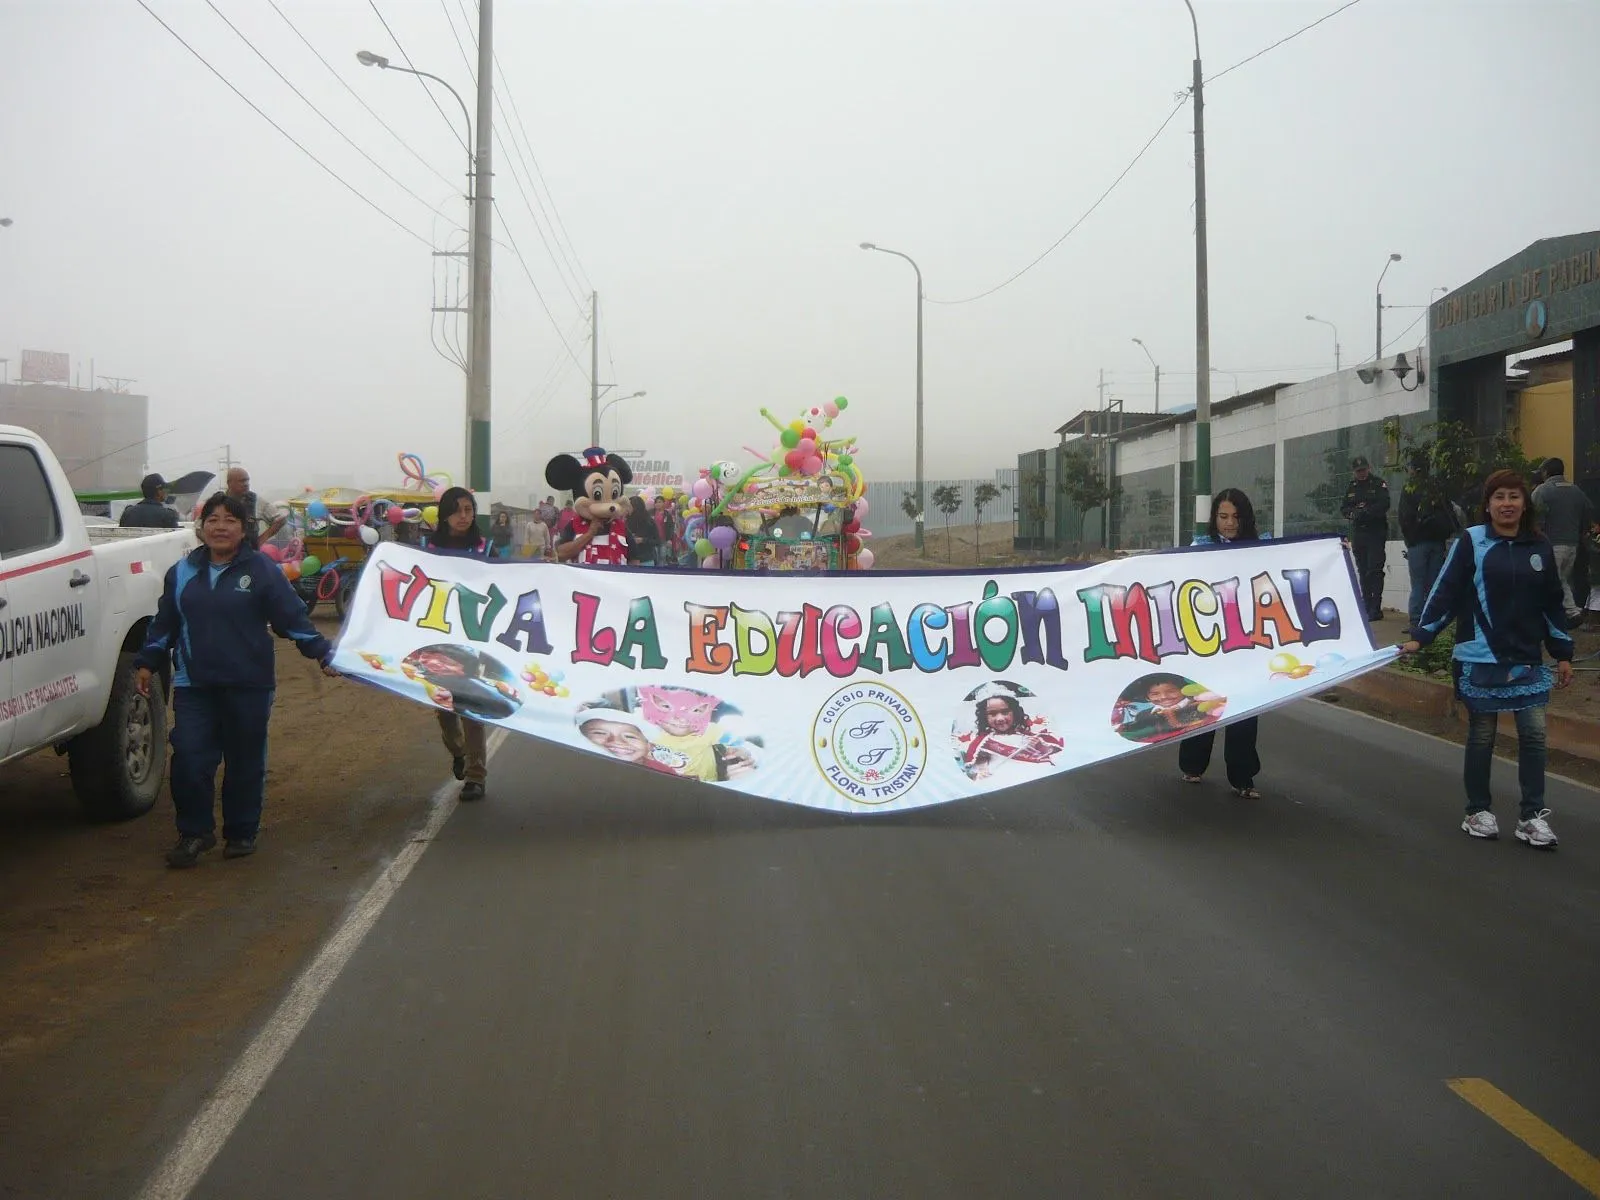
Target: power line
[[326, 119], [580, 274], [1281, 41], [515, 179], [1160, 129], [336, 176], [357, 95], [422, 83], [1395, 340], [517, 250]]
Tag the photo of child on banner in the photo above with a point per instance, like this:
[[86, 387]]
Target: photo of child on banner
[[1162, 705], [464, 681], [680, 730], [995, 736]]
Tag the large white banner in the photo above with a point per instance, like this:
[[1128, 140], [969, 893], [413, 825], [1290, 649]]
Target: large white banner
[[865, 692]]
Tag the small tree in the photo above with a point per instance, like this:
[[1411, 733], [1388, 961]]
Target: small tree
[[908, 505], [1459, 460], [947, 499], [1083, 484], [983, 494]]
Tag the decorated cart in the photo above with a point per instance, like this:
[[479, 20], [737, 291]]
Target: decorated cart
[[800, 509]]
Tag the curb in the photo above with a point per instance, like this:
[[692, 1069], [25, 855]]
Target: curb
[[1578, 736]]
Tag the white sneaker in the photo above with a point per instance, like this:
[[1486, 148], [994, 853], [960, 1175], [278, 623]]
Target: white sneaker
[[1483, 825], [1537, 832]]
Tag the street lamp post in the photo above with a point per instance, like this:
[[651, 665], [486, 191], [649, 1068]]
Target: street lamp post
[[480, 197], [1335, 329], [607, 405], [921, 545], [1202, 302], [1378, 353], [1139, 342]]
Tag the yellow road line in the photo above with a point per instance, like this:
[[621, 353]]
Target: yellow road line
[[1572, 1160]]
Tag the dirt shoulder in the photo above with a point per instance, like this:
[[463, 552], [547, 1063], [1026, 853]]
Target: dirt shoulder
[[127, 988]]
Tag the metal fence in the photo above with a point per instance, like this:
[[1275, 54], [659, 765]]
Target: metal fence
[[886, 518]]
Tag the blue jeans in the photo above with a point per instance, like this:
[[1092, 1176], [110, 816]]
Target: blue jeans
[[1424, 560], [213, 726], [1481, 730]]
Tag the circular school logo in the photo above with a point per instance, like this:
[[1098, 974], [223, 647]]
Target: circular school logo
[[869, 743], [1535, 319], [1536, 561], [244, 583]]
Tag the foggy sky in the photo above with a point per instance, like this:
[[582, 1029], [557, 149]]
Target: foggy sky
[[715, 165]]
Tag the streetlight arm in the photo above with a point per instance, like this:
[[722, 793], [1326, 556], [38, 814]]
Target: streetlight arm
[[1193, 20], [389, 66], [897, 254]]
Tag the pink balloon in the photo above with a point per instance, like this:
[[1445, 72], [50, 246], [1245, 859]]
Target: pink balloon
[[812, 466], [711, 562], [701, 489], [806, 447], [865, 559], [396, 515], [794, 460], [862, 508], [272, 552], [831, 409]]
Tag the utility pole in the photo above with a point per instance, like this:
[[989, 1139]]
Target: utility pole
[[478, 398], [594, 368], [227, 461], [1202, 303]]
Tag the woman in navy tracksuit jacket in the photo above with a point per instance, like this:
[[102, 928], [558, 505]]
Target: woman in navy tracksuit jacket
[[212, 625], [1501, 587]]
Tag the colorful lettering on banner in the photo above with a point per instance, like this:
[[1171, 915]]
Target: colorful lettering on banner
[[860, 692]]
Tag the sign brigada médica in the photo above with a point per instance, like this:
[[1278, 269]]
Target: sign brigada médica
[[868, 691]]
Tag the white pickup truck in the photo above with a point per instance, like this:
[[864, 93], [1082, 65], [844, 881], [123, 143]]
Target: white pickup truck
[[74, 606]]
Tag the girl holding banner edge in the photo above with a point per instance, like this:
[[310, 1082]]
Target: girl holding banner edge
[[1501, 586], [466, 740], [1233, 519]]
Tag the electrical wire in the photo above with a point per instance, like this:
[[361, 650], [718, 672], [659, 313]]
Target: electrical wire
[[539, 227], [423, 83], [1397, 339], [1160, 129], [1281, 41], [395, 221], [517, 250], [325, 118], [357, 96]]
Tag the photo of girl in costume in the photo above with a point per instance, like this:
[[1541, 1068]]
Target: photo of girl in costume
[[696, 726], [1160, 706], [464, 681], [998, 737], [625, 736]]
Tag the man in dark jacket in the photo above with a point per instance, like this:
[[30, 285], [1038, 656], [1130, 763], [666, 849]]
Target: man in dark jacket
[[219, 606], [1566, 515], [1427, 522], [1366, 507], [151, 512]]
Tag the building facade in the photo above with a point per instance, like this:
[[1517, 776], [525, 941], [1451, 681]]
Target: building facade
[[100, 436]]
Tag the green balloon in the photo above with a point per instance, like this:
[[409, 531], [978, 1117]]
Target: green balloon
[[310, 565], [845, 460], [841, 402], [703, 548], [790, 438]]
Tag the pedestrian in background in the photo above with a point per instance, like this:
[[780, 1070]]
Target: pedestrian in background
[[1566, 514], [1366, 507], [536, 540], [1427, 522], [263, 518], [212, 628], [500, 535], [644, 541], [466, 740], [152, 512], [1233, 519], [1499, 584]]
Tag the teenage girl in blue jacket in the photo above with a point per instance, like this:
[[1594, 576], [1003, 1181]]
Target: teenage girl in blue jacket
[[1501, 588]]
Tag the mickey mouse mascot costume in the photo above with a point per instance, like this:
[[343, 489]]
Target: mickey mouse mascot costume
[[599, 535]]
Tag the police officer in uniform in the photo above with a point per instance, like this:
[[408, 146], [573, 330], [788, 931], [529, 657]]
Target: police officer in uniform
[[1366, 507]]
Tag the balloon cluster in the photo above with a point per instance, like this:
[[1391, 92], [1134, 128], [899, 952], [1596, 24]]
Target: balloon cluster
[[1205, 699], [1287, 666], [417, 479]]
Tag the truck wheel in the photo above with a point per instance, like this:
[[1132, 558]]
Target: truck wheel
[[119, 765], [346, 593]]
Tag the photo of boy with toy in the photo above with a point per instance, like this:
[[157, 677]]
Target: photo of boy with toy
[[679, 730], [1162, 705]]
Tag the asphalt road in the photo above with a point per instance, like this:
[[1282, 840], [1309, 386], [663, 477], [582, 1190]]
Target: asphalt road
[[596, 985]]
